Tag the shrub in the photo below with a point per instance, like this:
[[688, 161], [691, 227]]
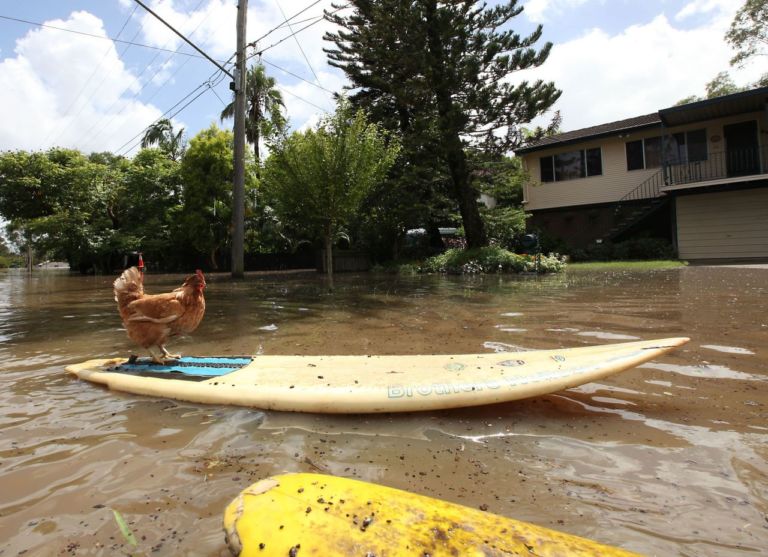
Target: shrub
[[490, 260], [7, 261]]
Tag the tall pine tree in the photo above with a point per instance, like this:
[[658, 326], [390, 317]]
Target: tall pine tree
[[441, 71]]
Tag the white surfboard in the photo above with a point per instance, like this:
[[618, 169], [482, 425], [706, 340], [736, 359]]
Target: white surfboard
[[370, 384]]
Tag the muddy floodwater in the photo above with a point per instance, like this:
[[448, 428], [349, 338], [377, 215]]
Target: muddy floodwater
[[670, 458]]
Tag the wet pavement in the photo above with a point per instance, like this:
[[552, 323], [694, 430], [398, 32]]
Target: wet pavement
[[670, 458]]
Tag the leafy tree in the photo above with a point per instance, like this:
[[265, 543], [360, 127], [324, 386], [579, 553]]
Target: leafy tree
[[141, 203], [319, 178], [748, 33], [162, 134], [47, 197], [722, 84], [441, 70], [264, 104], [203, 223], [502, 181]]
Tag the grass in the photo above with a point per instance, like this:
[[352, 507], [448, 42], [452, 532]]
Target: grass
[[626, 265]]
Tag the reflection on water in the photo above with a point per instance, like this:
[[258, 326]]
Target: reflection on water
[[728, 349], [668, 459]]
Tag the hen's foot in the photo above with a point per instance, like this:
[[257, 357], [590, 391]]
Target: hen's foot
[[169, 355], [158, 356]]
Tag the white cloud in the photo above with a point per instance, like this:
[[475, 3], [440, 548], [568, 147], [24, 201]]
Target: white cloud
[[638, 71], [211, 28], [160, 73], [59, 87], [700, 7], [539, 11]]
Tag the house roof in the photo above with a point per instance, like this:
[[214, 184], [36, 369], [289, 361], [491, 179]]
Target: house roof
[[719, 107], [737, 103], [611, 128]]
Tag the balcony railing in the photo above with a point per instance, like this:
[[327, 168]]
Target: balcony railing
[[734, 163]]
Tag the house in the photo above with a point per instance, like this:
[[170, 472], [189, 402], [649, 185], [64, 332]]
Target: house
[[695, 174]]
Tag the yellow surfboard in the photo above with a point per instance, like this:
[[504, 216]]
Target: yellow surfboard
[[315, 514], [363, 384]]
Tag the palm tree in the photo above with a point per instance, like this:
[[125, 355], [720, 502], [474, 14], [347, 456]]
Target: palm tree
[[264, 102], [161, 134]]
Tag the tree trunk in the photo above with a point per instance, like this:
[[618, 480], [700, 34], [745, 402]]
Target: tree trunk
[[329, 256], [450, 135], [463, 191], [214, 265], [256, 155]]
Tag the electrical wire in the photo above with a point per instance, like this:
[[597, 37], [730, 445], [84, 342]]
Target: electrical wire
[[96, 90], [297, 76], [317, 20], [90, 77], [265, 35], [212, 81], [146, 82], [121, 148], [317, 79], [131, 43], [283, 89]]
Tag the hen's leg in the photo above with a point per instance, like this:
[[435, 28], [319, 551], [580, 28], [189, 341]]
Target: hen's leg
[[157, 355], [168, 354]]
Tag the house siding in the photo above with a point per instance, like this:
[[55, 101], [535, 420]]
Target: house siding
[[723, 225], [616, 181], [612, 185]]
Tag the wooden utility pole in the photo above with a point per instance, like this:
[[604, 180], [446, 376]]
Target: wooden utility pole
[[238, 189]]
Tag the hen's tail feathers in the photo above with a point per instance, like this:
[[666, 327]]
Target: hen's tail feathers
[[128, 287]]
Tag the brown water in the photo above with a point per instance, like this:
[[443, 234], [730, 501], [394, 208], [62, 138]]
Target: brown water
[[667, 459]]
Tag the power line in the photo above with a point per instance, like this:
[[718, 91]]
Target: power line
[[298, 43], [203, 84], [190, 43], [135, 145], [160, 67], [210, 82], [119, 98], [265, 35], [317, 20], [218, 97], [302, 99], [211, 79], [296, 76], [90, 77], [146, 82], [102, 37], [93, 93]]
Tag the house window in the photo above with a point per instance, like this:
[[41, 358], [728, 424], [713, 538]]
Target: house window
[[594, 162], [547, 170], [676, 148], [697, 145], [653, 152], [571, 165], [635, 158]]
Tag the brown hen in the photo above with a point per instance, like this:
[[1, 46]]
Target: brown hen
[[150, 319]]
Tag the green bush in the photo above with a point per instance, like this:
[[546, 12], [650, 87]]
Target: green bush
[[490, 260], [11, 261]]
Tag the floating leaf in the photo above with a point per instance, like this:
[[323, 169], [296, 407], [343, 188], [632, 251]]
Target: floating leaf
[[124, 529]]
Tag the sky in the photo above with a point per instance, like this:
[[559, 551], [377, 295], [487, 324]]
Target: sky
[[612, 59]]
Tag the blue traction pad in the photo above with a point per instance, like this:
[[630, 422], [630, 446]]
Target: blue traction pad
[[190, 365]]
